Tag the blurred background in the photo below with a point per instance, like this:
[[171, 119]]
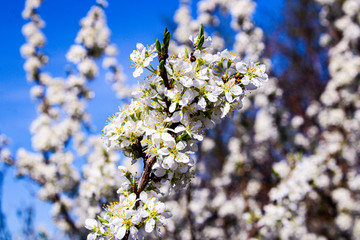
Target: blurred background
[[305, 120]]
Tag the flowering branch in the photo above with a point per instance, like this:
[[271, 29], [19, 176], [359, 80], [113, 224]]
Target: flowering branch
[[162, 52], [63, 119], [184, 96]]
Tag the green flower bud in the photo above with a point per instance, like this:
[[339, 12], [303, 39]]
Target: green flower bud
[[158, 46]]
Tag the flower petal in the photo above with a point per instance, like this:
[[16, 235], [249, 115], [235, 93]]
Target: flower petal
[[149, 225], [120, 232]]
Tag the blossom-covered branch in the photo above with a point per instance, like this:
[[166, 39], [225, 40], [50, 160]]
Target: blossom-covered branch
[[184, 95], [63, 119]]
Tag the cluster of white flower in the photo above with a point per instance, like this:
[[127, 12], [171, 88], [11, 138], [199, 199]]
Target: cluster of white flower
[[227, 204], [50, 133], [63, 118], [92, 42], [325, 175], [35, 40], [185, 95], [248, 39], [169, 115], [100, 179], [133, 215], [338, 113], [116, 74], [283, 176], [222, 202]]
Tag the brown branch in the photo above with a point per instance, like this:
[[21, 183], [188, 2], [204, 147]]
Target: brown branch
[[189, 213], [252, 232], [163, 73], [149, 162], [56, 198], [144, 179], [65, 214], [192, 57]]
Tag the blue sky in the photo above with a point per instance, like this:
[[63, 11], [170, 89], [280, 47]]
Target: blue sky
[[129, 21]]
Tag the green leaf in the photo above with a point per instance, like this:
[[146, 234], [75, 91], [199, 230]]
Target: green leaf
[[167, 37], [102, 220], [182, 136], [201, 42], [128, 175], [199, 63], [161, 66], [133, 117], [201, 32], [186, 53], [133, 181], [158, 46]]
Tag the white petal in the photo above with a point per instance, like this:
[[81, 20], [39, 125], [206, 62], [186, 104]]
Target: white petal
[[198, 137], [125, 143], [169, 162], [182, 157], [186, 81], [121, 232], [218, 91], [236, 90], [163, 151], [143, 196], [211, 97], [197, 125], [184, 168], [144, 213], [245, 80], [229, 97], [176, 117], [168, 139], [262, 68], [172, 107], [116, 221], [138, 72], [209, 124], [187, 97], [133, 232], [151, 204], [180, 145], [139, 46], [225, 110], [202, 103], [241, 67], [179, 128], [136, 218], [92, 236], [147, 61], [150, 131], [149, 225], [264, 77], [160, 172], [90, 223]]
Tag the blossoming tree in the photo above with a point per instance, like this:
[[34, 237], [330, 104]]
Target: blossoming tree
[[266, 174]]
